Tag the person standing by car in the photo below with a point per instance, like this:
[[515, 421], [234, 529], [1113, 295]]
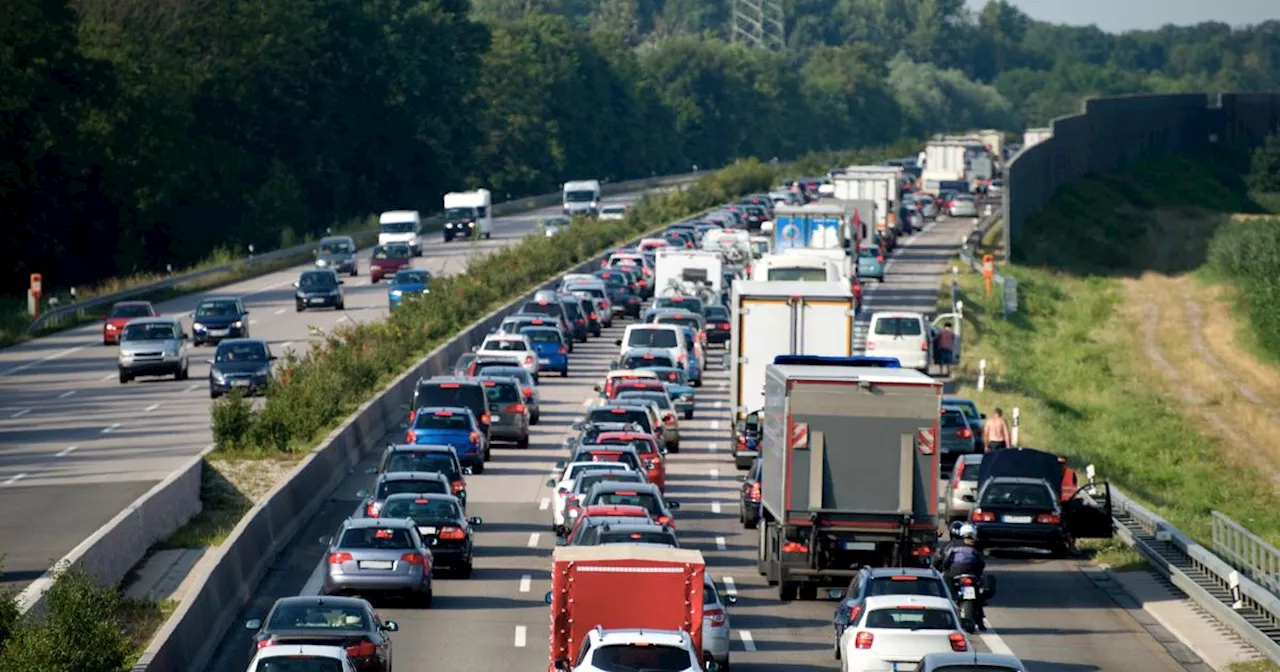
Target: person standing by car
[[995, 434], [943, 348]]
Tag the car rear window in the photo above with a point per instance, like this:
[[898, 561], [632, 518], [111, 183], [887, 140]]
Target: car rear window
[[645, 361], [659, 398], [905, 585], [898, 326], [869, 253], [716, 313], [303, 616], [130, 311], [572, 308], [421, 461], [969, 471], [298, 663], [589, 479], [953, 420], [652, 338], [542, 335], [649, 658], [629, 498], [467, 395], [625, 415], [1020, 495], [490, 368], [376, 538], [505, 345], [910, 619], [688, 321], [798, 274], [411, 486], [454, 421], [543, 308], [502, 392], [420, 509], [508, 371], [682, 302], [637, 538]]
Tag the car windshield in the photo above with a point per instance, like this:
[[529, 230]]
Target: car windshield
[[542, 335], [130, 311], [411, 486], [637, 658], [396, 227], [630, 498], [442, 420], [376, 538], [504, 345], [798, 274], [659, 398], [905, 585], [241, 352], [317, 280], [391, 252], [1019, 495], [953, 420], [652, 338], [454, 214], [969, 471], [636, 538], [150, 332], [898, 326], [421, 461], [298, 663], [313, 616], [502, 393], [411, 278], [716, 313], [910, 619], [682, 320], [581, 196], [642, 361], [216, 309], [419, 509], [618, 415], [336, 247]]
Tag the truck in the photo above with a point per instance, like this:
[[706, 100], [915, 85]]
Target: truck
[[849, 470], [401, 226], [582, 197], [618, 586], [981, 170], [468, 214], [944, 161], [880, 184], [1035, 136], [780, 317], [815, 225], [689, 272], [861, 220]]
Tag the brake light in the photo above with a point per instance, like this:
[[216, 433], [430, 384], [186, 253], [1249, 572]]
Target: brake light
[[457, 486], [414, 559], [581, 321], [958, 642], [451, 532], [725, 325], [449, 386], [854, 614], [716, 616], [966, 580], [562, 350], [265, 643], [924, 345], [339, 558], [362, 650], [484, 419], [595, 316], [1049, 519], [794, 547], [372, 508], [528, 361], [871, 345], [864, 640], [922, 551], [880, 258], [527, 391], [515, 408], [754, 493], [411, 437], [412, 415], [980, 516], [965, 433], [474, 437]]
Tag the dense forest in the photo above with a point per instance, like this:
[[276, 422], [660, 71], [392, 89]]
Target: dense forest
[[136, 134]]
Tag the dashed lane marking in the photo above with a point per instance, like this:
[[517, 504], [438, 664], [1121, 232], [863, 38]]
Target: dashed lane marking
[[544, 504], [721, 544], [715, 425], [715, 473], [526, 582], [66, 394], [66, 451], [20, 413], [533, 539], [715, 507], [748, 642], [152, 407], [730, 587], [112, 428], [522, 635], [14, 479]]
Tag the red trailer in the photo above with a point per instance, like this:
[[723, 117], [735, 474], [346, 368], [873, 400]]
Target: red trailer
[[622, 587]]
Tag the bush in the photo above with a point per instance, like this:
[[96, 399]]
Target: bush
[[80, 631], [1248, 253], [1264, 169], [318, 390]]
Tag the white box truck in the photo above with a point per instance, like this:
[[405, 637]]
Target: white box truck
[[781, 318], [688, 272], [401, 226], [1035, 136], [878, 184], [468, 214], [582, 197], [944, 162]]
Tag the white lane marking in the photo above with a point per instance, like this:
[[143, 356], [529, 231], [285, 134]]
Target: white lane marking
[[715, 507], [14, 479], [715, 424], [533, 539], [730, 588], [721, 544], [192, 388], [993, 641], [712, 447], [588, 402], [526, 582], [66, 394], [747, 642], [112, 428], [38, 362], [153, 407], [715, 473], [19, 414], [544, 504], [522, 634], [719, 404], [344, 318], [724, 385], [253, 321], [109, 376], [66, 451], [316, 580], [279, 312]]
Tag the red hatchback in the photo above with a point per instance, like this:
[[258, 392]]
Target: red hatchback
[[655, 465], [120, 315], [387, 259]]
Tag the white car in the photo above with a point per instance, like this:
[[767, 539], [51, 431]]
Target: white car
[[716, 632], [964, 206], [609, 650], [308, 657], [564, 485], [669, 337], [507, 345], [613, 212], [974, 661], [894, 632]]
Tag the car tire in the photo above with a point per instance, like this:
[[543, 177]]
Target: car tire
[[427, 599], [466, 570], [181, 374], [536, 417], [342, 305], [564, 373], [523, 443], [124, 377], [674, 449], [478, 469], [488, 235], [751, 522], [697, 383], [297, 307], [354, 272]]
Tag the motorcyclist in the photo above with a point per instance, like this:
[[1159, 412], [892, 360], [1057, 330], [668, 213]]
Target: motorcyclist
[[962, 556]]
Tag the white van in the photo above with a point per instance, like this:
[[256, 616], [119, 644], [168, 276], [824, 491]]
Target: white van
[[804, 268], [582, 197], [837, 255], [468, 214], [908, 337], [667, 337], [401, 226], [683, 271]]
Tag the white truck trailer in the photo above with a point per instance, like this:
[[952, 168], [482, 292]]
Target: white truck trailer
[[878, 184], [944, 161], [689, 272]]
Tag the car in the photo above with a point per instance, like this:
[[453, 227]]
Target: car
[[317, 289], [153, 346], [516, 345], [550, 347], [219, 317], [1019, 512], [308, 657], [651, 454], [749, 500], [903, 335], [586, 517], [970, 661], [630, 533], [443, 525], [593, 452], [407, 283], [587, 308], [667, 337], [558, 312], [745, 446], [443, 459], [972, 414], [337, 253], [120, 314], [716, 630], [622, 649], [463, 365], [345, 623], [614, 211], [957, 437], [554, 225], [678, 388], [578, 321], [882, 581], [609, 388], [719, 328], [573, 500], [870, 263], [897, 631], [624, 300], [598, 293], [963, 205], [508, 414], [377, 556], [646, 495], [528, 387], [563, 485], [451, 426], [688, 304], [512, 324], [641, 358], [397, 482], [666, 408], [958, 495], [617, 412], [240, 364], [452, 391], [388, 259]]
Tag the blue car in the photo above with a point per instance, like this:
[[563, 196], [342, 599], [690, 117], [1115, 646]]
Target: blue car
[[407, 282], [695, 363], [552, 351], [452, 426], [870, 263]]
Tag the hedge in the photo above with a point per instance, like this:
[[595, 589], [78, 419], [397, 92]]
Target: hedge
[[315, 392]]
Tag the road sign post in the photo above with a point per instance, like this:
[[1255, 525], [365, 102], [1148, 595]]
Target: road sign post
[[34, 291]]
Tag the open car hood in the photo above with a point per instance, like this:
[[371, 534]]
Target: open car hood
[[1023, 462]]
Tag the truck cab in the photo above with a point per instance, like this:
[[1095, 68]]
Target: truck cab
[[401, 226], [582, 197], [468, 214]]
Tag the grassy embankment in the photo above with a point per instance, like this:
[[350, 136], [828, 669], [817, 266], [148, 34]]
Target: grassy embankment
[[1140, 347]]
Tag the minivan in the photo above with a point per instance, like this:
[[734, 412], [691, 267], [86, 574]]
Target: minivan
[[401, 226], [669, 337], [908, 337]]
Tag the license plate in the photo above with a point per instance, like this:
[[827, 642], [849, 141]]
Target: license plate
[[375, 564], [218, 332], [316, 300], [969, 593], [240, 383], [544, 360], [859, 546], [427, 530], [1016, 519], [495, 418]]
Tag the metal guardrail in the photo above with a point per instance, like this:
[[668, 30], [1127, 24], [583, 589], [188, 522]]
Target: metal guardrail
[[1250, 554], [62, 313]]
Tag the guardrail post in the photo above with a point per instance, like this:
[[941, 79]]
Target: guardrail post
[[1013, 431]]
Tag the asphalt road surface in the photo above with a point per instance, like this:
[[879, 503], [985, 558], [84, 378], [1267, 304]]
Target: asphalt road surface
[[77, 447], [1047, 612]]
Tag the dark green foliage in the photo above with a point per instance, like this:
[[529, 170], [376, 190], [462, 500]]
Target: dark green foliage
[[1264, 169], [1248, 252], [81, 631]]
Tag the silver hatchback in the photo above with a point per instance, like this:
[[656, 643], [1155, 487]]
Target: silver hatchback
[[378, 555], [153, 346], [962, 487]]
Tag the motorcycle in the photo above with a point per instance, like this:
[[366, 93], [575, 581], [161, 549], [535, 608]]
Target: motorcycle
[[972, 593]]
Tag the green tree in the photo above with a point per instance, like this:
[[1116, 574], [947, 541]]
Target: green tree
[[79, 632], [1264, 169]]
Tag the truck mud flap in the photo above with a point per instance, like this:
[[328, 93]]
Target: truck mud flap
[[1087, 515]]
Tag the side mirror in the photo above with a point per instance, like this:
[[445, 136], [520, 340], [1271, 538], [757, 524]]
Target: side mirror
[[955, 528], [475, 348], [662, 451], [476, 521], [325, 540], [466, 471], [968, 625], [253, 624], [391, 626], [547, 597], [362, 494], [295, 285], [551, 482], [731, 599], [596, 387], [674, 506], [342, 282], [618, 342], [185, 337]]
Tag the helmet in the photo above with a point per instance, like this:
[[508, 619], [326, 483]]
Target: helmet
[[968, 531]]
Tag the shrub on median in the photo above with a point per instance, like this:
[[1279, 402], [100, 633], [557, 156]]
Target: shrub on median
[[316, 391], [82, 630]]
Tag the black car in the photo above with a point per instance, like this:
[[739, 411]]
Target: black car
[[958, 438], [219, 317], [442, 459], [442, 524], [625, 301], [450, 391], [240, 364], [588, 309], [346, 622], [318, 289], [749, 500], [718, 329]]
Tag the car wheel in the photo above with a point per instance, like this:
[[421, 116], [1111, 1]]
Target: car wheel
[[534, 420], [697, 383], [181, 374], [674, 449], [523, 443], [124, 377], [354, 272], [213, 394], [478, 469], [465, 570], [688, 415], [751, 522], [724, 666], [342, 305], [427, 598], [488, 235], [564, 373], [298, 308]]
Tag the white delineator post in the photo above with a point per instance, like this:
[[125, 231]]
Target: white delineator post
[[982, 374], [1013, 431]]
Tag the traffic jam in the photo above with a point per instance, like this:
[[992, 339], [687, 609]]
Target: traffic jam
[[865, 483]]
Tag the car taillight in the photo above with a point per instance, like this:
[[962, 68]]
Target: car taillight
[[412, 415], [742, 441], [864, 640], [965, 433], [474, 437], [958, 642], [527, 392], [266, 642], [580, 321], [410, 436], [362, 650], [528, 361], [966, 580], [595, 316], [922, 551], [754, 494], [794, 547], [414, 559], [880, 258], [664, 520], [451, 532], [371, 509], [514, 408], [604, 304], [457, 486], [650, 464], [564, 350], [725, 325], [1048, 519], [669, 419], [716, 616], [924, 345], [484, 419], [339, 558], [980, 516]]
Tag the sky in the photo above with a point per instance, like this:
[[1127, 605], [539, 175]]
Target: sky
[[1120, 15]]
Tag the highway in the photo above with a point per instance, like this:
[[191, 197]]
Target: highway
[[77, 447], [1048, 613]]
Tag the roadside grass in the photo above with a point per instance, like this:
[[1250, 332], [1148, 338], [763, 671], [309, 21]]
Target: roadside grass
[[1113, 554], [1260, 665], [228, 489]]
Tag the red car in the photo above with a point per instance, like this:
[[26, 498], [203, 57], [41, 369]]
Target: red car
[[120, 315], [387, 259], [655, 465]]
